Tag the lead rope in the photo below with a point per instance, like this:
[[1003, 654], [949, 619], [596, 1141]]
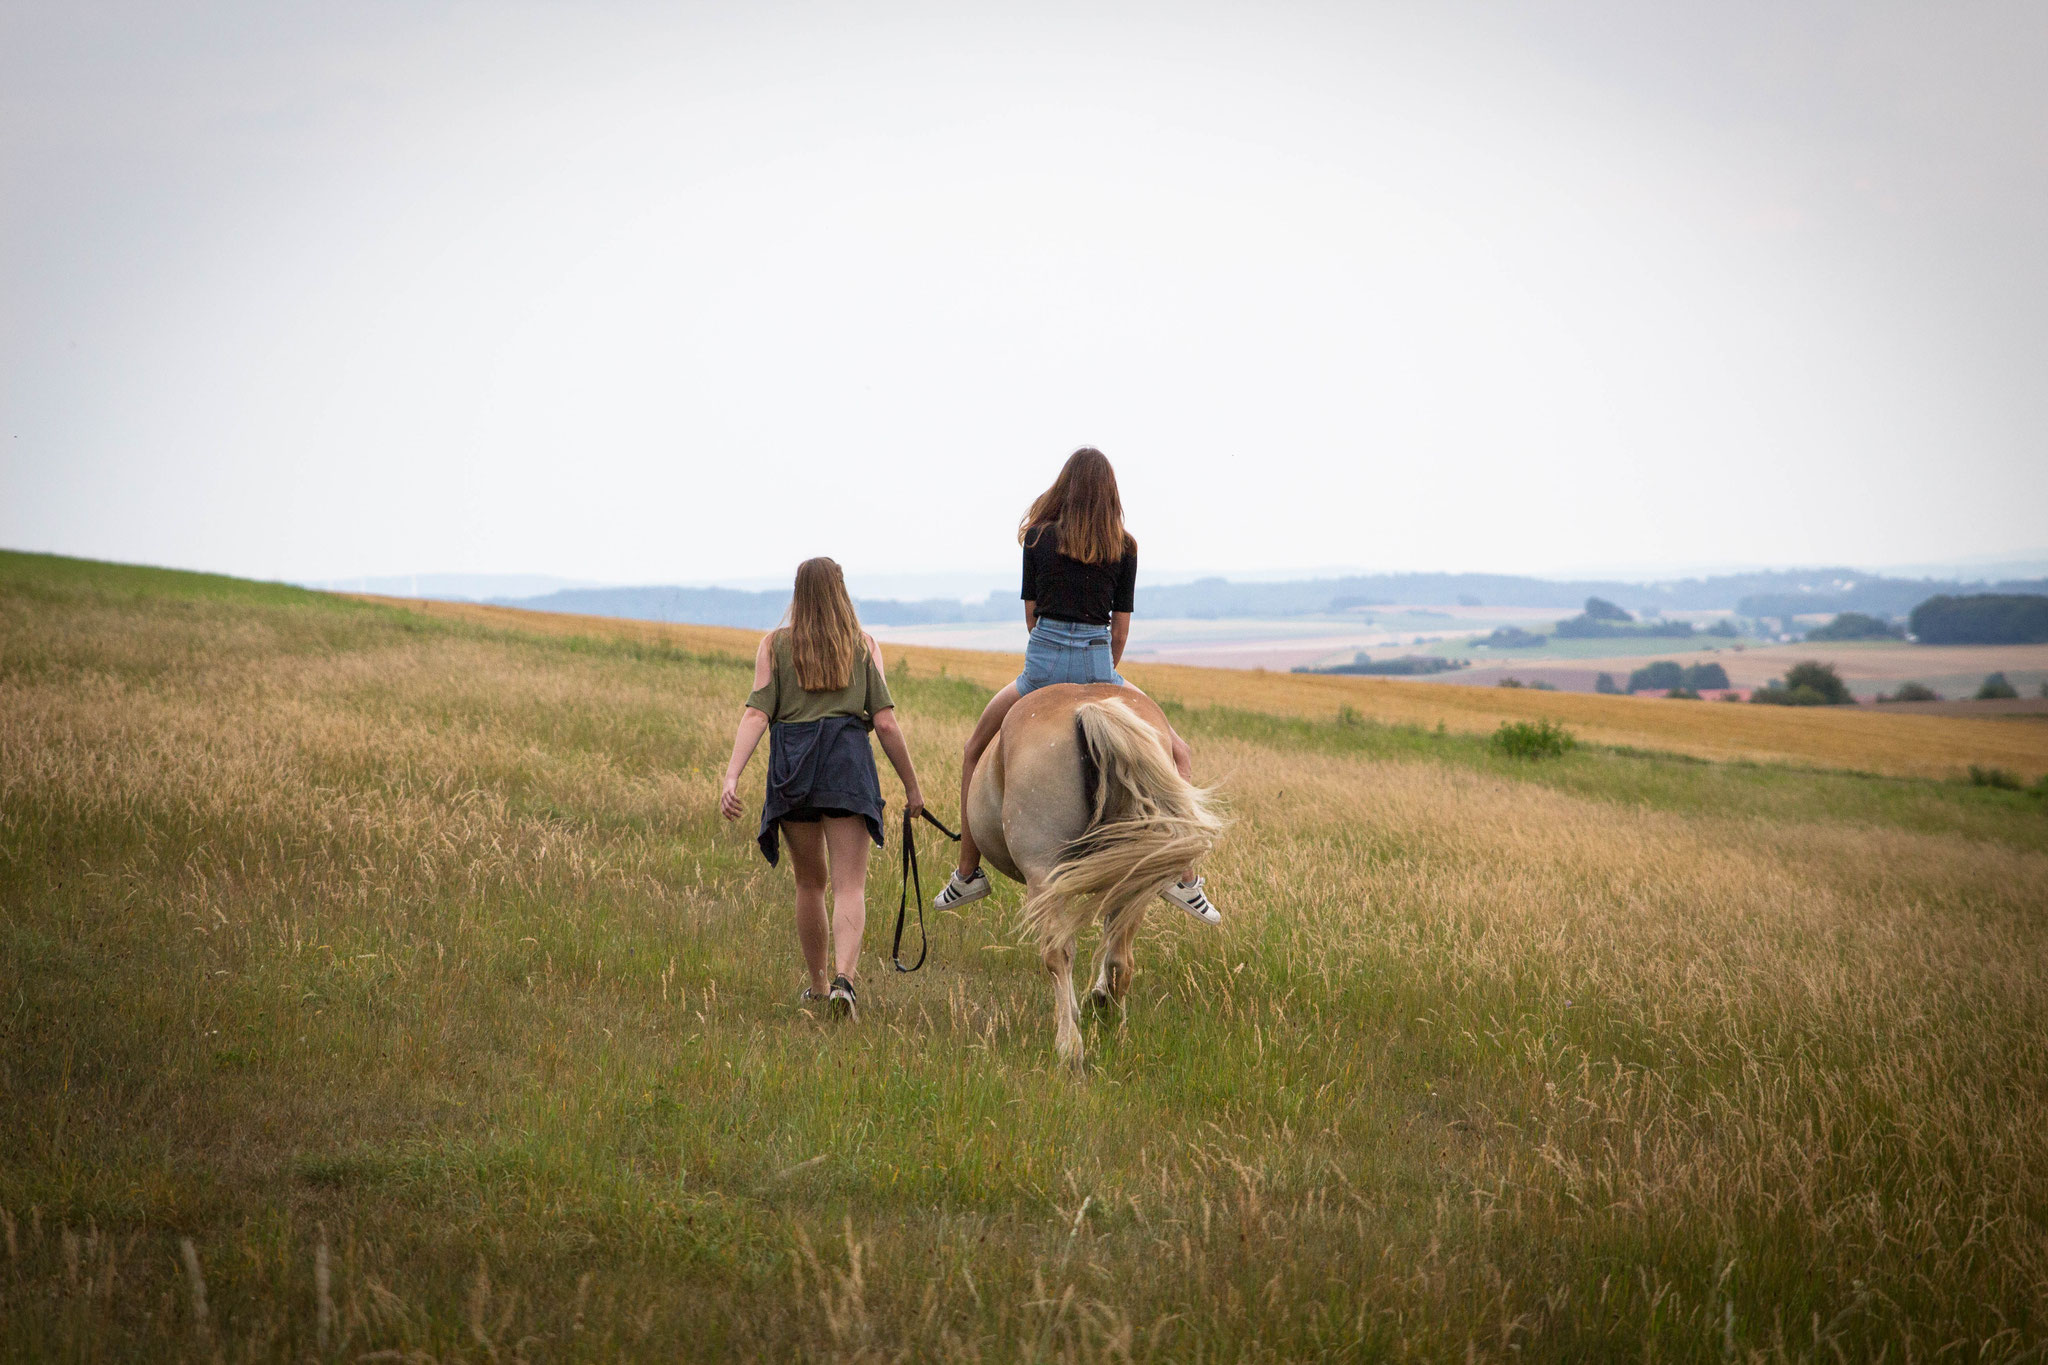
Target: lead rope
[[910, 880]]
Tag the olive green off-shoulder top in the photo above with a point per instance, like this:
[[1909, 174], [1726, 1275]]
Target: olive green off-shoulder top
[[783, 699]]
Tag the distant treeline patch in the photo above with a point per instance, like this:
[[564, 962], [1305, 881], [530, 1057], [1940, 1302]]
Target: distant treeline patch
[[1602, 620], [1407, 666], [1667, 675], [1982, 619], [1856, 625]]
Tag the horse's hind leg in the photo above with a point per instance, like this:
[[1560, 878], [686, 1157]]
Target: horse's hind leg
[[1113, 961], [1059, 962]]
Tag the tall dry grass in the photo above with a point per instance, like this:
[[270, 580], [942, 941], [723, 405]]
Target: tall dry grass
[[402, 972]]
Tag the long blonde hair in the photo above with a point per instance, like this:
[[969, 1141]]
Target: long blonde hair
[[824, 634], [1083, 504]]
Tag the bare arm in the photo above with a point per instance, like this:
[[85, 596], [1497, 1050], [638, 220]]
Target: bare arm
[[1031, 616], [1119, 632], [753, 724], [891, 734]]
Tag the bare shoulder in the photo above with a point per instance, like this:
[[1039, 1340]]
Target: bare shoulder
[[874, 650]]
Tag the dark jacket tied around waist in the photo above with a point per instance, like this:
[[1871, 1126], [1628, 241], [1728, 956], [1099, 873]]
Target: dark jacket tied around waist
[[819, 766]]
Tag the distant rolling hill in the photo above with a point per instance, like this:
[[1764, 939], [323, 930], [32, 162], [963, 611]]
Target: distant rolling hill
[[1773, 593], [751, 610]]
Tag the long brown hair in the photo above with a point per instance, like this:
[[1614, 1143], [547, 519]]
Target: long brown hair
[[1083, 504], [824, 634]]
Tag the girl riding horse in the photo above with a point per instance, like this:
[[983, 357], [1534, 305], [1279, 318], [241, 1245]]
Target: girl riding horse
[[1080, 580]]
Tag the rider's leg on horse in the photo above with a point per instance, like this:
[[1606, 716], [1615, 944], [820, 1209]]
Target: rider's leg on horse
[[985, 731]]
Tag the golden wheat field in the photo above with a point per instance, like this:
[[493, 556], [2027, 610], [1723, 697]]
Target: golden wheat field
[[377, 982], [1899, 745]]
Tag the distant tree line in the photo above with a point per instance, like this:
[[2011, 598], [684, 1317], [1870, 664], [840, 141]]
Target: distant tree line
[[1602, 620], [1806, 684], [1981, 619], [1668, 675], [1855, 625], [1870, 594], [1407, 666]]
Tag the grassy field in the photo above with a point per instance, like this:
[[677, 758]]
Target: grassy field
[[379, 983]]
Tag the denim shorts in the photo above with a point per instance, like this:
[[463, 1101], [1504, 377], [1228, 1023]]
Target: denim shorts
[[1066, 652]]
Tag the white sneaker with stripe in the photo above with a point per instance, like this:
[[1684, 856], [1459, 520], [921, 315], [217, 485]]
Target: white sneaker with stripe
[[959, 890], [1188, 896]]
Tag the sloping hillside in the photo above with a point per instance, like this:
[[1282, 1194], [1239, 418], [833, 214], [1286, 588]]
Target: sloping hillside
[[383, 985]]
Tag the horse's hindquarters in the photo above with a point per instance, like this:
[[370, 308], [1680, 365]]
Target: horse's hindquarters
[[1067, 753], [1044, 792]]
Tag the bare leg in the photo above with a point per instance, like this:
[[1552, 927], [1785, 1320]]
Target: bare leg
[[807, 859], [985, 731], [847, 836]]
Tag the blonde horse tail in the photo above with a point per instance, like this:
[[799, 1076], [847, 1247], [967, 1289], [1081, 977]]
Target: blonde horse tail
[[1146, 827]]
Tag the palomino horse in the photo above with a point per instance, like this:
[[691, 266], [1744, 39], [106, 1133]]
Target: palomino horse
[[1078, 799]]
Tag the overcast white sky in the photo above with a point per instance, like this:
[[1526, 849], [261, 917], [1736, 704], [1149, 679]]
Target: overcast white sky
[[673, 293]]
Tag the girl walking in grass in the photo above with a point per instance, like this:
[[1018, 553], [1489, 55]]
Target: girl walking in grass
[[818, 691], [1080, 581]]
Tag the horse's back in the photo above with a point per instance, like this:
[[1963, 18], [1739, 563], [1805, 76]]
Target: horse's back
[[1048, 712]]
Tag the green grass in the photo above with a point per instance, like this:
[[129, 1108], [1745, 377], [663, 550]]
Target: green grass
[[326, 930], [1778, 794]]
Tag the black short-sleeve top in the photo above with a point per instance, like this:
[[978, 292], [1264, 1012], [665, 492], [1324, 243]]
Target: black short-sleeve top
[[1068, 590], [783, 698]]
